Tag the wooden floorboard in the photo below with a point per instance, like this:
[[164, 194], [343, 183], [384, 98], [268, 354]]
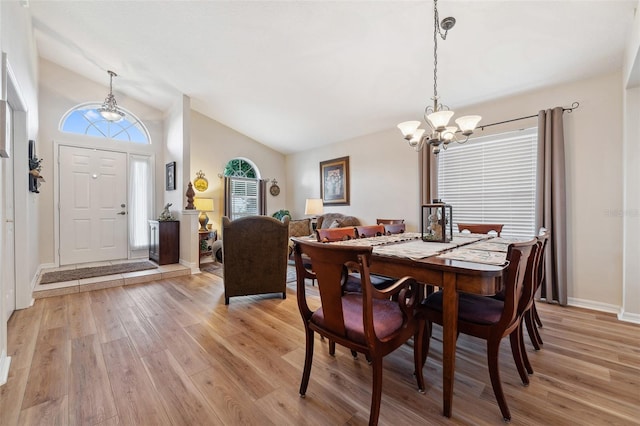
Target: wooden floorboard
[[171, 352]]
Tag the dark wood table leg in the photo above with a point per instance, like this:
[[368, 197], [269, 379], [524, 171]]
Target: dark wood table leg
[[449, 336]]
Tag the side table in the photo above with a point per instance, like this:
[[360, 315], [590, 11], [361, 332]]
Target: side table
[[205, 241]]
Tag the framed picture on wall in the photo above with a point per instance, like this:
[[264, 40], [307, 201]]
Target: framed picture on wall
[[171, 176], [334, 181]]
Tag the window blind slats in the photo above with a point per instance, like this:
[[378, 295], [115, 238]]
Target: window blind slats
[[492, 179]]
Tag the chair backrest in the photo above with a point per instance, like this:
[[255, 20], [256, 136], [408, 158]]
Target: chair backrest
[[255, 255], [394, 228], [365, 231], [389, 221], [335, 234], [518, 256], [329, 261], [481, 228]]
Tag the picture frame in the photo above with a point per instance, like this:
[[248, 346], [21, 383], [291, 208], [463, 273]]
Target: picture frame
[[334, 181], [171, 176]]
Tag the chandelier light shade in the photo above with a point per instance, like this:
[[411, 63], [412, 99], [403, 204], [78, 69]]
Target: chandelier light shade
[[109, 109], [438, 115]]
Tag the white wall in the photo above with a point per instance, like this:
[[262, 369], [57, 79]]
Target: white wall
[[16, 39], [384, 178], [214, 144], [61, 90]]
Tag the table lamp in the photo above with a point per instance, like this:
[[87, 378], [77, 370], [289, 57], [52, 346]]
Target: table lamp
[[313, 206], [203, 205]]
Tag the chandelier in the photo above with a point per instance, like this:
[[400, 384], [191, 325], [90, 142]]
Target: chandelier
[[438, 115], [109, 109]]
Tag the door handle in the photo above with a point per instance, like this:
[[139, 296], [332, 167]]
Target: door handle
[[122, 213]]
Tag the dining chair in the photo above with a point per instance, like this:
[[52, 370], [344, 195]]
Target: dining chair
[[366, 231], [372, 322], [529, 311], [328, 235], [481, 228], [394, 228], [388, 221], [484, 317]]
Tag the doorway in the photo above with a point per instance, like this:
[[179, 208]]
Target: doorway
[[93, 209], [8, 276]]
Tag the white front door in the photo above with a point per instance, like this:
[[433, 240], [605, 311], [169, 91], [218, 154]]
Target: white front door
[[93, 211], [8, 276]]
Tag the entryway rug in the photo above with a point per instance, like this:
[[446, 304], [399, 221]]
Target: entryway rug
[[218, 269], [96, 271]]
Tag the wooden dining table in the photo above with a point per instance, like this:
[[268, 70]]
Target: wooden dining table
[[453, 276]]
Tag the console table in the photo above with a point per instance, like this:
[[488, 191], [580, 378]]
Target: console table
[[164, 241]]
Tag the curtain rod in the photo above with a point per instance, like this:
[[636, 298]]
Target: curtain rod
[[574, 105]]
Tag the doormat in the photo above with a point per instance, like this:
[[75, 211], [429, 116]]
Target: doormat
[[97, 271], [218, 269]]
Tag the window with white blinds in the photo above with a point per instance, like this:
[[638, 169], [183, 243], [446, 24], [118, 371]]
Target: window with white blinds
[[244, 197], [492, 179]]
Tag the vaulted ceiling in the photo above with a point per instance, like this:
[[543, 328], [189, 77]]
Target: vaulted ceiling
[[294, 75]]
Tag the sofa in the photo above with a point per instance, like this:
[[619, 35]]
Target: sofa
[[336, 220]]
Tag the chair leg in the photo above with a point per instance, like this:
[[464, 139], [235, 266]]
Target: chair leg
[[493, 347], [523, 352], [417, 355], [515, 338], [426, 340], [535, 314], [376, 391], [532, 329], [308, 359], [332, 348]]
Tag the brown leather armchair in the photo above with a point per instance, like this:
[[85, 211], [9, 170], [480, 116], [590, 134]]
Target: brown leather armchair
[[255, 256]]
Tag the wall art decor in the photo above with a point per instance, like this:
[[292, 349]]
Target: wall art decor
[[334, 181]]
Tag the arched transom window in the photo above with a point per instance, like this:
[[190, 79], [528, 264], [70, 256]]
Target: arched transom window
[[85, 119]]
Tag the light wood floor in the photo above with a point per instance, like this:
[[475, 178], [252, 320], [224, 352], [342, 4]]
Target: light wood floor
[[171, 352]]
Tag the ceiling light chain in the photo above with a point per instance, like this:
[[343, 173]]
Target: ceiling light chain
[[438, 115], [109, 109]]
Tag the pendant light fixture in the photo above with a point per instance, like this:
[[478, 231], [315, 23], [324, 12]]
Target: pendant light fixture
[[109, 109], [438, 115]]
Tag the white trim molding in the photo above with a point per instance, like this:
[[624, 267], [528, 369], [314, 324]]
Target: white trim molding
[[596, 306], [629, 317], [5, 362]]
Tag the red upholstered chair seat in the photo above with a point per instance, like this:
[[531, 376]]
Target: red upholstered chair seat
[[387, 318], [471, 307]]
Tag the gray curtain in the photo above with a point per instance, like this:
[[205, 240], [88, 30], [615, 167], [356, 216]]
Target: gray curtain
[[262, 196], [551, 205], [227, 196]]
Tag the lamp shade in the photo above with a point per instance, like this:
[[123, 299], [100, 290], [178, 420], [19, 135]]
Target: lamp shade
[[313, 206], [203, 204]]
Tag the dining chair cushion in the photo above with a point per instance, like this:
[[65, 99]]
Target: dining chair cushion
[[387, 317], [354, 282], [471, 307]]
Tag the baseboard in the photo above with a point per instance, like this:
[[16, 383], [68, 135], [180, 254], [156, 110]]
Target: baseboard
[[629, 317], [596, 306], [195, 269], [5, 361]]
